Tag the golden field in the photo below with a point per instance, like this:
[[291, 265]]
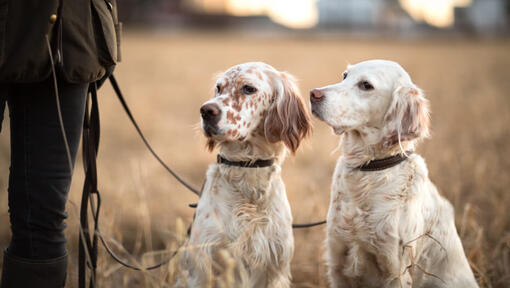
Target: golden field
[[167, 76]]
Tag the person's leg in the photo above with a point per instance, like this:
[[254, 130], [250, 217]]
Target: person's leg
[[39, 178]]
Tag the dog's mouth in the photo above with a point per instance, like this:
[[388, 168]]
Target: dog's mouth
[[316, 112], [210, 130], [215, 133]]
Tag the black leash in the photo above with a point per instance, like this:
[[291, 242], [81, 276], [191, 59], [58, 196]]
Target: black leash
[[90, 144], [257, 164], [116, 88], [260, 163], [308, 225], [88, 245]]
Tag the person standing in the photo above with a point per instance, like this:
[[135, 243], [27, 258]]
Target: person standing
[[81, 38]]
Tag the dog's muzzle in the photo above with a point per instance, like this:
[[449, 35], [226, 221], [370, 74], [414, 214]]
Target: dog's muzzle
[[316, 98], [211, 115]]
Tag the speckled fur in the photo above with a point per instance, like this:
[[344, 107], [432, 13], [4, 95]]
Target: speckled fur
[[244, 211], [383, 226]]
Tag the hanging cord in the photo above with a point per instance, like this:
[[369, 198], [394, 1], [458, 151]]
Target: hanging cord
[[120, 96], [88, 256], [59, 110], [308, 225], [90, 143]]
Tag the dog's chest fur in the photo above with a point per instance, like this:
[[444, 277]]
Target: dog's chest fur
[[246, 212], [376, 220], [361, 202], [369, 211], [233, 196]]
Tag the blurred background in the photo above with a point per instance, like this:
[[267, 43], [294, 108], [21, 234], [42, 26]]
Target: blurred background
[[349, 17], [457, 51]]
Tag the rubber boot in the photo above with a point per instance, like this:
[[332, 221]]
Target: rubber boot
[[26, 273]]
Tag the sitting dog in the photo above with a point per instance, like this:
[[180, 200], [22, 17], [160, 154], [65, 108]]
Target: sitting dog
[[242, 231], [387, 224]]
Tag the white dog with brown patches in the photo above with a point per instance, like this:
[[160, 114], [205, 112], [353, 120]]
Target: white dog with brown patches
[[387, 224], [242, 231]]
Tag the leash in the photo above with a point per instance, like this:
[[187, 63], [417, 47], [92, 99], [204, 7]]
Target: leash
[[88, 244], [88, 241], [259, 163], [90, 146], [308, 225], [87, 255]]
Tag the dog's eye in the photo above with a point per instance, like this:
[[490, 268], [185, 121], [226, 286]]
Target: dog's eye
[[247, 89], [218, 88], [344, 75], [365, 85]]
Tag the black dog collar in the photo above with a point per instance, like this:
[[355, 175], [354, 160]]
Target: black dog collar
[[246, 164], [381, 164]]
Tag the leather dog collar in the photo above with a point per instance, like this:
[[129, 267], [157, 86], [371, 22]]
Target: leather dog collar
[[246, 164], [385, 163]]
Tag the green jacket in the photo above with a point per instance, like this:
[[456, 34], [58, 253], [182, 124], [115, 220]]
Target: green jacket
[[90, 39]]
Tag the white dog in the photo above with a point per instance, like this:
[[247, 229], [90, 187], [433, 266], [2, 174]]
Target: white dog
[[387, 224], [242, 231]]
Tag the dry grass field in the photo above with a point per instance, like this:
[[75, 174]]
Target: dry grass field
[[167, 76]]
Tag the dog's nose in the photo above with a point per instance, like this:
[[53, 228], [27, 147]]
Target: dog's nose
[[316, 95], [210, 113]]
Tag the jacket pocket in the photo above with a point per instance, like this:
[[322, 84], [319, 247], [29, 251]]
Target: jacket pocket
[[106, 12]]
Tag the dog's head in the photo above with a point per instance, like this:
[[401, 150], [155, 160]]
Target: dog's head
[[254, 100], [376, 98]]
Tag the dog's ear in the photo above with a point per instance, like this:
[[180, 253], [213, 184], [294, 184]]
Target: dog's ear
[[407, 117], [287, 120]]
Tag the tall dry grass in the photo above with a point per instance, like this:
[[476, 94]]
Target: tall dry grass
[[166, 77]]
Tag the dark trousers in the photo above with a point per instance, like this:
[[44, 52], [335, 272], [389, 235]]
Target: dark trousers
[[40, 177]]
